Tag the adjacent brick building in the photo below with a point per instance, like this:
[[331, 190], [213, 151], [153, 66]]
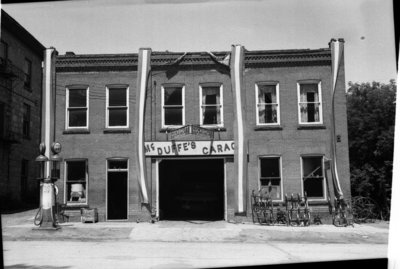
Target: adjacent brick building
[[21, 58], [190, 115]]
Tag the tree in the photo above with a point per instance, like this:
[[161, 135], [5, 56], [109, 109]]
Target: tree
[[371, 119]]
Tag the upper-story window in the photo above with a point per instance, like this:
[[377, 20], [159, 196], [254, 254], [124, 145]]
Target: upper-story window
[[3, 50], [267, 98], [211, 105], [26, 120], [310, 103], [27, 73], [77, 114], [173, 105], [117, 107]]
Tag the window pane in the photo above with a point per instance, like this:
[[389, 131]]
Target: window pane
[[211, 95], [173, 116], [312, 167], [314, 187], [173, 96], [76, 171], [77, 98], [308, 90], [117, 117], [26, 120], [268, 113], [117, 164], [309, 112], [77, 118], [76, 192], [3, 50], [211, 115], [267, 94], [270, 167], [117, 97]]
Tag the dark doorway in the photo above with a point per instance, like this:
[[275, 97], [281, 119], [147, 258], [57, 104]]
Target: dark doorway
[[117, 190], [191, 189]]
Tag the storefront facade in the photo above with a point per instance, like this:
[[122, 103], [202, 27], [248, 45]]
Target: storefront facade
[[189, 135]]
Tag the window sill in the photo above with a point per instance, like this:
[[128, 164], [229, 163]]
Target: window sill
[[211, 128], [76, 206], [77, 131], [170, 129], [214, 128], [268, 128], [117, 131], [311, 127], [318, 202]]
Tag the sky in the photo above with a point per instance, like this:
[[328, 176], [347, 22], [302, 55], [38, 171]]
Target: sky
[[124, 26]]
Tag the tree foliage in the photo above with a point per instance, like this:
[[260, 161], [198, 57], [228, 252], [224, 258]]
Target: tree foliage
[[371, 119]]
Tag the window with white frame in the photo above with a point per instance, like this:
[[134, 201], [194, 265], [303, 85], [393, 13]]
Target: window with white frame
[[310, 104], [211, 105], [270, 176], [117, 107], [77, 108], [173, 108], [267, 97], [313, 177], [76, 181]]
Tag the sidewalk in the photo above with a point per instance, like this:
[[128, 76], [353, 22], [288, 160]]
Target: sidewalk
[[19, 227]]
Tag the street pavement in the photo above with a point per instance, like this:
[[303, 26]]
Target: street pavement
[[183, 244]]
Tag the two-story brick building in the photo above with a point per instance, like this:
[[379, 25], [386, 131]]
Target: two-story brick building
[[190, 135], [21, 58]]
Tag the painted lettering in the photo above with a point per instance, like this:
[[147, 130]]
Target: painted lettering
[[213, 150], [159, 151], [219, 147], [167, 151], [147, 148], [226, 148], [205, 150], [193, 145]]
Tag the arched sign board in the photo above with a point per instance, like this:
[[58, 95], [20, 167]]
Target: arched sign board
[[189, 148]]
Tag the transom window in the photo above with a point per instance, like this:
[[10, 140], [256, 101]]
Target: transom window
[[267, 97], [173, 109], [270, 176], [313, 177], [117, 114], [77, 108], [211, 108], [76, 181], [310, 105]]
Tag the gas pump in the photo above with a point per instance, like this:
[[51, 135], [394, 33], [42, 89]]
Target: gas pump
[[45, 217]]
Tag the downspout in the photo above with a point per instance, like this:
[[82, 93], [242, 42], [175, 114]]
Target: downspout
[[337, 56]]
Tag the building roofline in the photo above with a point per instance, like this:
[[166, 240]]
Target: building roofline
[[128, 61], [21, 33]]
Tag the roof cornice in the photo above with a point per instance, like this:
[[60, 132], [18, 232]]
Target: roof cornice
[[164, 60]]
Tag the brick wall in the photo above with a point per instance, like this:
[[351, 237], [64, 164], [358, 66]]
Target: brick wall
[[15, 96], [290, 142]]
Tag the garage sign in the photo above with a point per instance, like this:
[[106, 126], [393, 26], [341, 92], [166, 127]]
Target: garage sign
[[187, 148]]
